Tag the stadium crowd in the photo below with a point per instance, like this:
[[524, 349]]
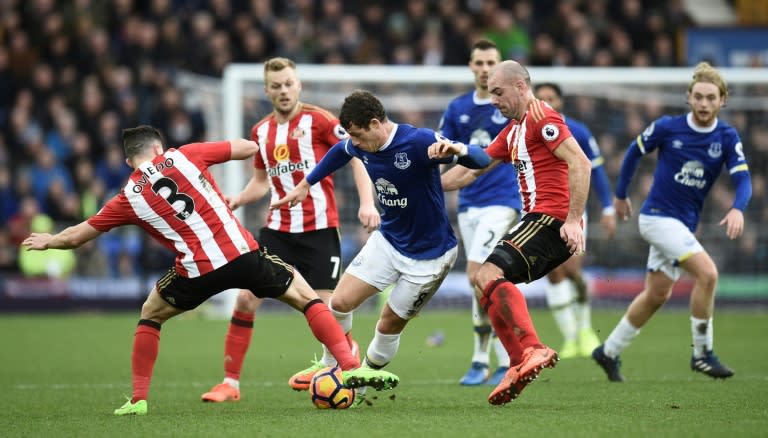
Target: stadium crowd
[[74, 74]]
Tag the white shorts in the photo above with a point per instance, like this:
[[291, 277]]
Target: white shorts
[[671, 243], [379, 264], [482, 227]]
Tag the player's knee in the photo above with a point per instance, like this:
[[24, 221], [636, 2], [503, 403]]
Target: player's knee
[[339, 303], [707, 278], [247, 302]]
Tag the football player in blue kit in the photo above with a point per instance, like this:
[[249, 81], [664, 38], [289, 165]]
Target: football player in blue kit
[[566, 292], [692, 149], [488, 207], [415, 247]]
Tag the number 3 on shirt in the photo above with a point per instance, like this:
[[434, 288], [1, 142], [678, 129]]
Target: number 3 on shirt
[[175, 196]]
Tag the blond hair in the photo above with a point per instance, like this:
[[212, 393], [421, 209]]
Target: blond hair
[[704, 72], [277, 64]]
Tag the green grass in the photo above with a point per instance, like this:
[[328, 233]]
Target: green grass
[[62, 375]]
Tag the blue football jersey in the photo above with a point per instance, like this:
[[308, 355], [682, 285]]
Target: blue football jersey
[[407, 184], [470, 120], [690, 160]]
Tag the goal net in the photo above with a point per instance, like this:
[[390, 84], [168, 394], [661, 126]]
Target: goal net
[[616, 103]]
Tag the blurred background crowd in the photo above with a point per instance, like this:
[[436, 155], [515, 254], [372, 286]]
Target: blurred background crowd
[[74, 73]]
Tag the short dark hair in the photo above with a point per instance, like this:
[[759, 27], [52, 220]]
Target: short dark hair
[[136, 140], [359, 108], [484, 44], [556, 88]]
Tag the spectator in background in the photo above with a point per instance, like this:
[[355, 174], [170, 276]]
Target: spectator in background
[[179, 125]]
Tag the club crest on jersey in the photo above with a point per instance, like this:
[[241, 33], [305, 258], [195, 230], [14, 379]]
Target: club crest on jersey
[[715, 150], [297, 133], [498, 118], [677, 144], [550, 132], [281, 152], [401, 160]]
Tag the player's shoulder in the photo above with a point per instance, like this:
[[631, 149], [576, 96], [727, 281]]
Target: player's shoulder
[[462, 100], [538, 110], [319, 111]]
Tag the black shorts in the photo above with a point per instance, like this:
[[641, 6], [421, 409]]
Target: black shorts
[[316, 254], [265, 275], [531, 249]]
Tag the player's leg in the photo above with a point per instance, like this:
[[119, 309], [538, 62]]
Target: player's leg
[[369, 273], [418, 281], [236, 343], [704, 272], [480, 229], [531, 250], [477, 373], [670, 242], [581, 309], [561, 302], [146, 344]]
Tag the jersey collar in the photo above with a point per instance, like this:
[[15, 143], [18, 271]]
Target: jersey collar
[[390, 138], [697, 128]]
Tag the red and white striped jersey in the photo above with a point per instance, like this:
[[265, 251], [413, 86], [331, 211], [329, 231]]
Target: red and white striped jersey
[[175, 199], [288, 152], [530, 146]]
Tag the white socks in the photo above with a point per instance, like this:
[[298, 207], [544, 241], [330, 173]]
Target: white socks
[[620, 337], [560, 299], [382, 349], [702, 332], [482, 333], [502, 357], [232, 382]]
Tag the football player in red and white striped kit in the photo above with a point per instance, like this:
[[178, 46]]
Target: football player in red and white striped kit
[[174, 198], [554, 174], [292, 139]]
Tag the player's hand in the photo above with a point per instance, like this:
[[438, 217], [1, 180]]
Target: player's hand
[[234, 202], [442, 149], [369, 217], [623, 208], [37, 241], [292, 198], [734, 223], [573, 236], [608, 222]]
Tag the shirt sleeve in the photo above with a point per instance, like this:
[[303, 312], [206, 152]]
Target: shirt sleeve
[[115, 213], [499, 147], [551, 129], [208, 153]]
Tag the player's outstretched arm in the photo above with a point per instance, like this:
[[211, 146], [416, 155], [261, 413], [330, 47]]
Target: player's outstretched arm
[[70, 237], [295, 196], [460, 176]]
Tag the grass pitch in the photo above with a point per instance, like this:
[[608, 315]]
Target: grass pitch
[[63, 375]]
